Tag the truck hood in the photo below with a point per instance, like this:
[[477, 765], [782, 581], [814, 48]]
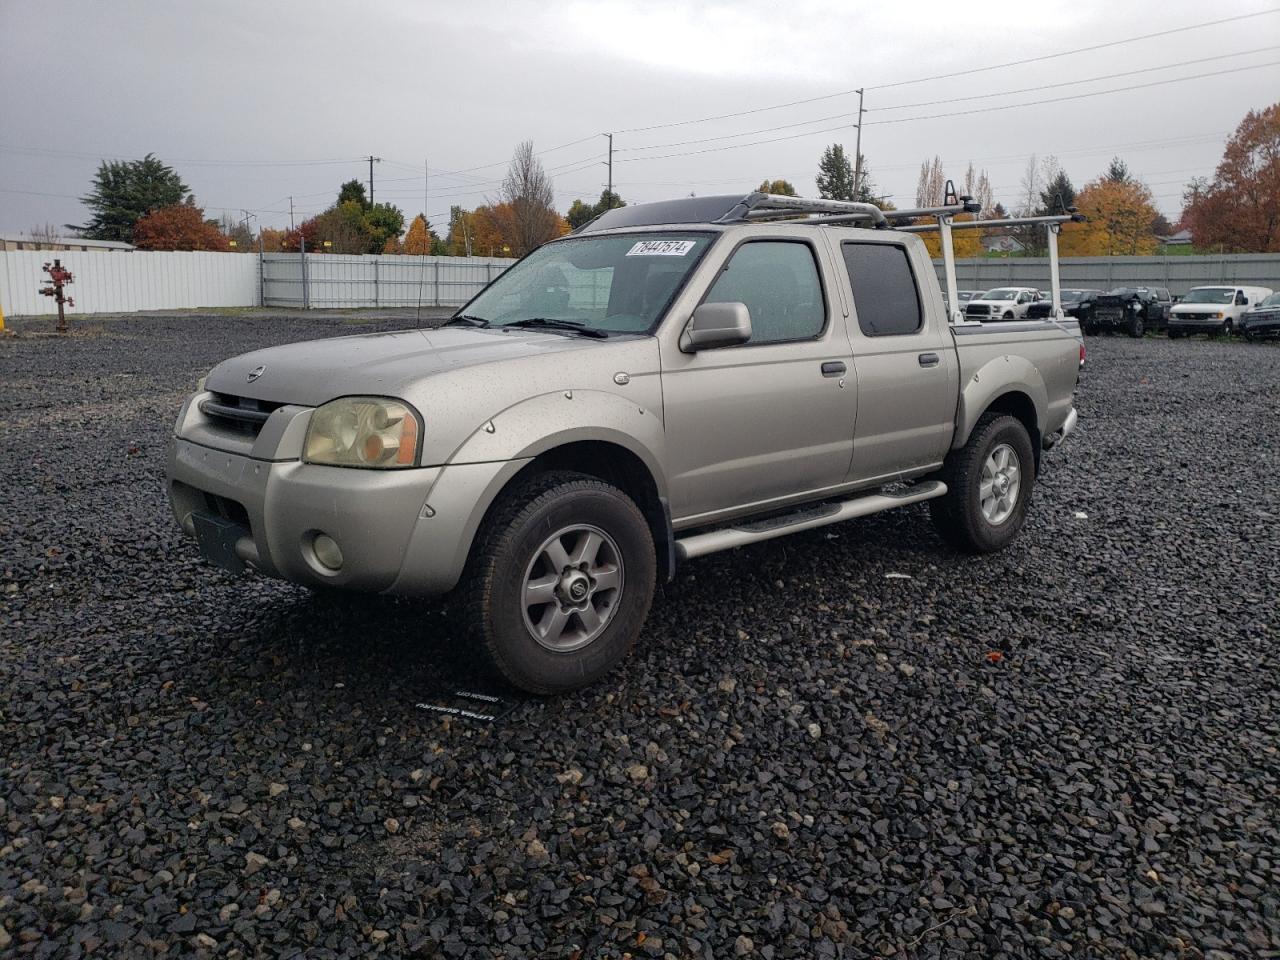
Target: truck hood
[[379, 364]]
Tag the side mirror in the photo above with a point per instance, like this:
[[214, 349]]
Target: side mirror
[[716, 325]]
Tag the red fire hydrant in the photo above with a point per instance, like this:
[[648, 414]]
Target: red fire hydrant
[[59, 277]]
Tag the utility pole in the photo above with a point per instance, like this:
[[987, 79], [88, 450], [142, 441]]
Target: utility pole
[[610, 136], [291, 213], [857, 153], [426, 192], [372, 161]]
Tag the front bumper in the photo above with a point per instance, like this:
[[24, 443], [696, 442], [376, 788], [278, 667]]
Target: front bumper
[[1179, 324], [1261, 329], [400, 531]]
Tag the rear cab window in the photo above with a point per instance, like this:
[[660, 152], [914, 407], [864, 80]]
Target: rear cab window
[[885, 294]]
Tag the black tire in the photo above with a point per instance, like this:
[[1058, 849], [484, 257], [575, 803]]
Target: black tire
[[1088, 329], [1173, 334], [1228, 327], [509, 542], [958, 514], [1137, 327], [1008, 315], [1248, 335]]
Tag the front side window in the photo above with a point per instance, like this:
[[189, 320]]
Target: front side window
[[884, 288], [778, 281], [614, 284]]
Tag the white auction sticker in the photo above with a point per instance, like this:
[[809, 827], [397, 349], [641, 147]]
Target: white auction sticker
[[661, 248]]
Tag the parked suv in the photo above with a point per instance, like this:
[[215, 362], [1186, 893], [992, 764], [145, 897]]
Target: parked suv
[[1131, 310], [1262, 320], [1002, 303], [1213, 309], [671, 380], [1076, 303]]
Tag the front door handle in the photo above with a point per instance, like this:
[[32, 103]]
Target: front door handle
[[929, 359], [834, 368]]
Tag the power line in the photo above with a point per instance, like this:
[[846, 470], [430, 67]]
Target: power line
[[1077, 96], [1071, 83], [946, 76]]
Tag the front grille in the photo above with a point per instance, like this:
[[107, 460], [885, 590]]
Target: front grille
[[244, 415], [978, 310]]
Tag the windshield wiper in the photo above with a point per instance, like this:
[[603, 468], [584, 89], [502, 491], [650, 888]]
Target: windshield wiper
[[466, 320], [550, 323]]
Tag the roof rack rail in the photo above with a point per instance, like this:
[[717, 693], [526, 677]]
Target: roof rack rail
[[770, 206]]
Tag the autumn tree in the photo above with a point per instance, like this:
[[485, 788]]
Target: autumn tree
[[1120, 214], [273, 240], [780, 188], [384, 222], [125, 191], [1239, 210], [528, 196], [179, 226], [421, 240]]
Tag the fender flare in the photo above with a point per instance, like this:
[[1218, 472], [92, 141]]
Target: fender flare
[[538, 424], [999, 376]]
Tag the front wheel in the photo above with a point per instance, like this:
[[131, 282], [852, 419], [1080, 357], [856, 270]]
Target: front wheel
[[1227, 327], [988, 486], [560, 581], [1137, 327]]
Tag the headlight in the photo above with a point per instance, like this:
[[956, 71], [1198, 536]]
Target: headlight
[[1218, 315], [363, 432]]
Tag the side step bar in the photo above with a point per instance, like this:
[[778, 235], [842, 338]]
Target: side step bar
[[701, 544]]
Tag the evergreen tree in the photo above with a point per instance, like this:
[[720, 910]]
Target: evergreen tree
[[125, 191], [1118, 171], [1059, 195], [353, 190], [835, 175]]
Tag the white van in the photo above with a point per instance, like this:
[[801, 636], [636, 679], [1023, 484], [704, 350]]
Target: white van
[[1213, 309]]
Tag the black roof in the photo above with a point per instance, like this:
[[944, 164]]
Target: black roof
[[684, 210]]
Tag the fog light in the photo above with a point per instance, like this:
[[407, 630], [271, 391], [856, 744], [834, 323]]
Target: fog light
[[327, 551]]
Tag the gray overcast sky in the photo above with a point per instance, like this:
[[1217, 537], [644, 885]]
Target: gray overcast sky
[[235, 93]]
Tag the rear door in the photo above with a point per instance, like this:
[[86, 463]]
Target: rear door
[[906, 364], [772, 418]]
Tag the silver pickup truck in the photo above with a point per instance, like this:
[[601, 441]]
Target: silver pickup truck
[[672, 380]]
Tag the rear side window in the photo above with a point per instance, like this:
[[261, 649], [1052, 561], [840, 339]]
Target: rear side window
[[778, 281], [884, 288]]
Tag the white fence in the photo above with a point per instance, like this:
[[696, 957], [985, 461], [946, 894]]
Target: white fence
[[124, 282], [334, 280], [141, 280]]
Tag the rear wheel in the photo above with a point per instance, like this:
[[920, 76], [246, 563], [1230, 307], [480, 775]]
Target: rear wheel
[[560, 582], [988, 486]]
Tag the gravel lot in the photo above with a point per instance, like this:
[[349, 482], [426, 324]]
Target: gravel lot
[[1068, 749]]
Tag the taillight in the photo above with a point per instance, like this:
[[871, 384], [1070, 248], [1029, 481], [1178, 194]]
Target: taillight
[[1082, 354]]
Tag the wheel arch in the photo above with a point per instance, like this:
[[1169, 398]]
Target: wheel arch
[[1010, 385], [617, 464]]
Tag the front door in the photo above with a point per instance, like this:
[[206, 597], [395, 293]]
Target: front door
[[771, 418], [908, 372]]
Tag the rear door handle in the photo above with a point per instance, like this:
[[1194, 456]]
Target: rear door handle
[[929, 359], [834, 368]]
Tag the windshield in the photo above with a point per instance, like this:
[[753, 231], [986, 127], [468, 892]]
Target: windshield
[[1122, 292], [1001, 293], [1071, 296], [1210, 295], [619, 283], [1271, 301]]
